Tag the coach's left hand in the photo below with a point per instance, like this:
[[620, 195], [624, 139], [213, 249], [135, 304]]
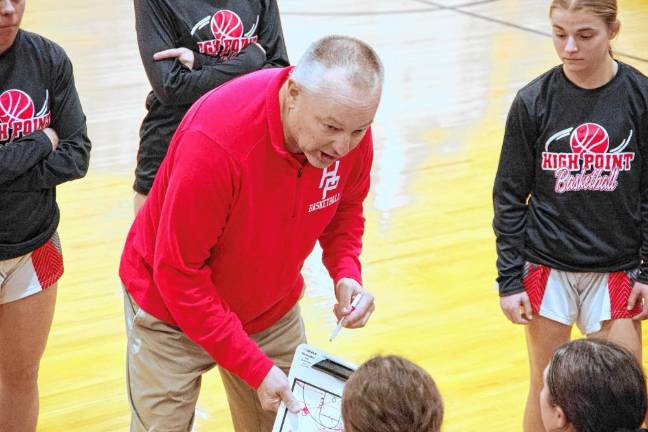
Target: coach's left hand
[[345, 291], [639, 293]]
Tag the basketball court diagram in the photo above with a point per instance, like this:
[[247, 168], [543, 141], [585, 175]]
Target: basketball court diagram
[[321, 411], [317, 381]]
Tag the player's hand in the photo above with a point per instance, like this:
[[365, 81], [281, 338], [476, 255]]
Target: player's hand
[[639, 293], [184, 55], [53, 136], [345, 291], [517, 308], [275, 389]]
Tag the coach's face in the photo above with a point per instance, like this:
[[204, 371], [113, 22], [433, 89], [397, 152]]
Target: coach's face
[[328, 123], [11, 12]]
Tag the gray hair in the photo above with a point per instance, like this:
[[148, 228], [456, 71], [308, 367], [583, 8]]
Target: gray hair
[[356, 60]]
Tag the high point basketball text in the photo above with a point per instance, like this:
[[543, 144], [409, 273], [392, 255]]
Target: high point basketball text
[[587, 161], [21, 127]]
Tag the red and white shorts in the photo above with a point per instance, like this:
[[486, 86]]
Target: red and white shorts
[[586, 299], [31, 273]]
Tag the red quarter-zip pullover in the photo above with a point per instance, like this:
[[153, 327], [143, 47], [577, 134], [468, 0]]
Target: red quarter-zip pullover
[[219, 245]]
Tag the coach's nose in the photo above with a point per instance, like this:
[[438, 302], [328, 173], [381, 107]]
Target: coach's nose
[[342, 144]]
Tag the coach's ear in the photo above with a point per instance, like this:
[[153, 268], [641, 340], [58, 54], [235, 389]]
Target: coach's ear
[[293, 91]]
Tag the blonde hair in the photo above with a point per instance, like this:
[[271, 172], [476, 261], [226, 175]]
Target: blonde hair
[[605, 9]]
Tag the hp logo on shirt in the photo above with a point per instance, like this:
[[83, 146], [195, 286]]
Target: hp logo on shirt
[[330, 180]]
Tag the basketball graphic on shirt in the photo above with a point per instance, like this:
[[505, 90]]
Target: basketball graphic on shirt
[[589, 138], [225, 24], [15, 105]]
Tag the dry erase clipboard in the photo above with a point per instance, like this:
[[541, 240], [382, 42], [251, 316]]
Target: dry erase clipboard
[[317, 380]]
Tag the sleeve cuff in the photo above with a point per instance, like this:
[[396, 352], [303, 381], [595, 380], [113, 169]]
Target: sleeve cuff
[[642, 275], [509, 286], [140, 187], [255, 375], [344, 267]]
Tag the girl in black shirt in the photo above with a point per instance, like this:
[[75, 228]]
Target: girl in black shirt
[[571, 195], [43, 143], [189, 48]]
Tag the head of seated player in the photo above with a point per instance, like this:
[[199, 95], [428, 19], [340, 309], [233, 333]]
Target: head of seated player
[[391, 394], [593, 385], [331, 99]]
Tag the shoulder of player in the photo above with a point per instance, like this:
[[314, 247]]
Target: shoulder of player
[[42, 45], [538, 87], [633, 72], [635, 76], [533, 96], [636, 84]]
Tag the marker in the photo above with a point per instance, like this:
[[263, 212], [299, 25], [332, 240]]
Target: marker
[[355, 302]]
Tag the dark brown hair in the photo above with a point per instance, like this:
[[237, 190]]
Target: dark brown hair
[[599, 385], [391, 394]]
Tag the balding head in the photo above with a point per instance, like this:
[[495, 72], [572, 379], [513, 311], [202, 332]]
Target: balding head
[[340, 63]]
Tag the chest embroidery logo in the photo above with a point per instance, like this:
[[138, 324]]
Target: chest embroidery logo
[[330, 179], [591, 164], [227, 28], [329, 182], [18, 116]]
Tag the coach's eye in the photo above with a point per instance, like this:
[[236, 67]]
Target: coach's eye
[[331, 127]]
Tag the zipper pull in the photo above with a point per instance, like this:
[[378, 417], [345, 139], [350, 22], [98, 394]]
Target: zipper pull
[[299, 172]]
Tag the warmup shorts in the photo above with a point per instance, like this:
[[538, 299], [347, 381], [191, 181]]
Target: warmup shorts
[[586, 299], [31, 273]]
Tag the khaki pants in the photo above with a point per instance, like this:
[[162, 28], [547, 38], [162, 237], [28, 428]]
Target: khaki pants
[[164, 370]]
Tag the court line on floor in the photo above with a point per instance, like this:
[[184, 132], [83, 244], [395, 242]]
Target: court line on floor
[[458, 9], [362, 13], [389, 12]]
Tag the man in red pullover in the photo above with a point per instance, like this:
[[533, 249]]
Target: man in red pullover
[[258, 171]]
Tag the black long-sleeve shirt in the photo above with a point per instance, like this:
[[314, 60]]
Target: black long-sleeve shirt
[[571, 190], [36, 91], [222, 34]]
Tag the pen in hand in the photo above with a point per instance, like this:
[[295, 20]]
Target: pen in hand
[[354, 304]]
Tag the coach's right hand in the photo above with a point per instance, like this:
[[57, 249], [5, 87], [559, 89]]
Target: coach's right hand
[[517, 308], [275, 389]]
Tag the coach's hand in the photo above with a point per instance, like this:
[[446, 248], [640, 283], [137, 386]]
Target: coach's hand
[[345, 291], [184, 55], [639, 293], [517, 308], [275, 389]]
